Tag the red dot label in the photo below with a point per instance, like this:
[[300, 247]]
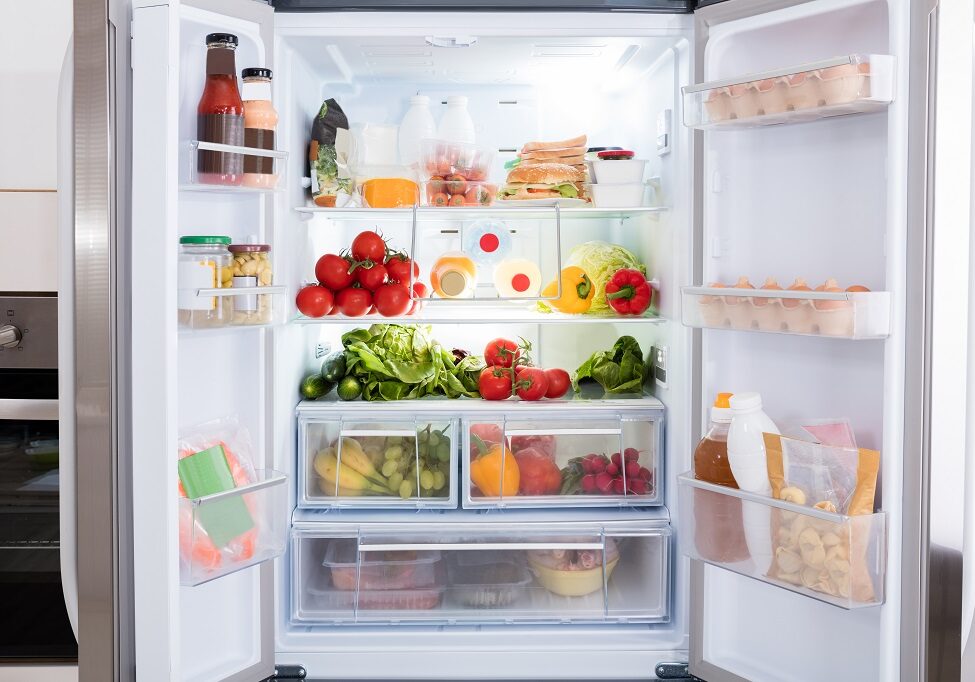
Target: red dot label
[[520, 283], [489, 243]]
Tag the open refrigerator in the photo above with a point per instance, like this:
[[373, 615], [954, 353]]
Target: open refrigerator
[[818, 190]]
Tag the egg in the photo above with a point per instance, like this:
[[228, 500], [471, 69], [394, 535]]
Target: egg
[[833, 318], [857, 288], [740, 314], [768, 311], [830, 285], [797, 314], [712, 308], [798, 285]]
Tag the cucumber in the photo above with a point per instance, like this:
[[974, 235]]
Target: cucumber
[[314, 387], [349, 388], [333, 366]]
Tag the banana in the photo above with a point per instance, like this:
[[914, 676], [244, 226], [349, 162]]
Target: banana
[[328, 467], [356, 459]]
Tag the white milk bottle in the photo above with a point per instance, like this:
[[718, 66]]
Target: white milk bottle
[[417, 125], [456, 124]]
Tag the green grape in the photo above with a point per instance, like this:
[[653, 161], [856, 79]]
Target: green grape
[[394, 452], [394, 440], [439, 480], [406, 489], [394, 480], [443, 452], [389, 468], [426, 480], [434, 439], [423, 436]]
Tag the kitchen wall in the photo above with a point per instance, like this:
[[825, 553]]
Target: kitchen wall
[[35, 38]]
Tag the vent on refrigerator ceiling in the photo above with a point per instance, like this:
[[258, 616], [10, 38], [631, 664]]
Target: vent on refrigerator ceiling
[[451, 41]]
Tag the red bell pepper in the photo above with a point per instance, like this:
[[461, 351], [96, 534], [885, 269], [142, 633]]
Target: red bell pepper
[[628, 292]]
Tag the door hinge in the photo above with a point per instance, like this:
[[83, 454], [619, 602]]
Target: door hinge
[[287, 672], [674, 671]]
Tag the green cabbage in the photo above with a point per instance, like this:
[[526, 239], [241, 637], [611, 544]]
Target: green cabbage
[[600, 261]]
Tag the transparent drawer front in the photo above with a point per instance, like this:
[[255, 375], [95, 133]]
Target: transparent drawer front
[[844, 315], [556, 461], [231, 530], [377, 463], [482, 578], [837, 559], [850, 84]]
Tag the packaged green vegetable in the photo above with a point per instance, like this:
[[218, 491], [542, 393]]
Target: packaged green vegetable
[[618, 370], [600, 261]]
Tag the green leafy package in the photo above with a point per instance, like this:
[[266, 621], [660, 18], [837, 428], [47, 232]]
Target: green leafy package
[[619, 370]]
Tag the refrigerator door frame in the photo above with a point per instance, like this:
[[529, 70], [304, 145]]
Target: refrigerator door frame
[[155, 106], [912, 590]]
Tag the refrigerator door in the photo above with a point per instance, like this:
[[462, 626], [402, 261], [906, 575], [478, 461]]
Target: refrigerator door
[[221, 629], [657, 6], [773, 201]]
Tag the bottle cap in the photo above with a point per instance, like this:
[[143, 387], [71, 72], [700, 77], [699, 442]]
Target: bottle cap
[[256, 72], [420, 99], [721, 410], [457, 100], [205, 239], [225, 38], [745, 402]]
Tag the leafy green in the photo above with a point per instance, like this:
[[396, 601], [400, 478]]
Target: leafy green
[[568, 190], [403, 362], [600, 261], [618, 370]]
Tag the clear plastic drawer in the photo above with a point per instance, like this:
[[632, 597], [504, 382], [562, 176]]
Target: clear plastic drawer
[[563, 461], [387, 462], [834, 558]]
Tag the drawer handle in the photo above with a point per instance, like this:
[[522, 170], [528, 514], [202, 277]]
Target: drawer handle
[[406, 433], [478, 546], [564, 432]]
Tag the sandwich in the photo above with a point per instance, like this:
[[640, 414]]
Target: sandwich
[[544, 181], [570, 152]]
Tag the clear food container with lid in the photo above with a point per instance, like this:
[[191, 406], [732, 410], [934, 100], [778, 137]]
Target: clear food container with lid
[[251, 268], [204, 264]]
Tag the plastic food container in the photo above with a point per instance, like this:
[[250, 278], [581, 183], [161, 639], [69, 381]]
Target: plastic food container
[[626, 195], [404, 570], [487, 580], [251, 267], [421, 599], [204, 263], [442, 159], [458, 192], [619, 171], [573, 573]]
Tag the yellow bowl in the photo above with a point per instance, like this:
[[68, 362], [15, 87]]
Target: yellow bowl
[[572, 583]]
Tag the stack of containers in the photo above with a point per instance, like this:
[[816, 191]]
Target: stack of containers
[[617, 179]]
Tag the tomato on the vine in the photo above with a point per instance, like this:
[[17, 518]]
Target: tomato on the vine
[[354, 302], [371, 275], [392, 299], [501, 352], [558, 383], [369, 246], [532, 384], [494, 383], [419, 293], [314, 301], [333, 272], [398, 267]]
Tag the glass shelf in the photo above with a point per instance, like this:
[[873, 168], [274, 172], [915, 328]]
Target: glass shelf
[[469, 312], [851, 84], [464, 213]]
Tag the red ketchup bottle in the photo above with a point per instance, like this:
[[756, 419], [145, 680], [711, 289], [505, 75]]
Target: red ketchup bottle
[[220, 114]]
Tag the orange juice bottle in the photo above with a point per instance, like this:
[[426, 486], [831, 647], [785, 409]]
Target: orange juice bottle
[[453, 275]]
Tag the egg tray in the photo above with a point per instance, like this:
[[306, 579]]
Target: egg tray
[[847, 315]]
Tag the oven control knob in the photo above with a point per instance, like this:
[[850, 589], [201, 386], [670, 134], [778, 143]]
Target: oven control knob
[[10, 336]]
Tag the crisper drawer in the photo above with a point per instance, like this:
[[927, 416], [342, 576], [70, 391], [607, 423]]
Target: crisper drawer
[[563, 460], [383, 461], [838, 559], [480, 577]]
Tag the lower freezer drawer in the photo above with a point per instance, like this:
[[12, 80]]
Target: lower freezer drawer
[[481, 577]]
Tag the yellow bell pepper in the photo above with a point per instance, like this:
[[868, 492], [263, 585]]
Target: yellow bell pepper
[[495, 471], [577, 291]]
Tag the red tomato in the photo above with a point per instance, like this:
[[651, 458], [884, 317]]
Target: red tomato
[[419, 293], [532, 384], [494, 383], [371, 277], [439, 199], [501, 352], [539, 473], [456, 200], [354, 302], [456, 184], [558, 383], [369, 246], [314, 301], [542, 444], [333, 272], [398, 266], [392, 300]]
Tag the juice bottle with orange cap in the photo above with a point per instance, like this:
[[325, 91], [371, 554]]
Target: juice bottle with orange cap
[[711, 456], [453, 275]]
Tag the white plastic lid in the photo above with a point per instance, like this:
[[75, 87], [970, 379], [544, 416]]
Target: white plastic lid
[[456, 101], [746, 402], [420, 99], [721, 415]]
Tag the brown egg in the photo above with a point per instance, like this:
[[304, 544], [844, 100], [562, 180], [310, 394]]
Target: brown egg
[[708, 299], [742, 283], [857, 287], [798, 285], [830, 285], [770, 284]]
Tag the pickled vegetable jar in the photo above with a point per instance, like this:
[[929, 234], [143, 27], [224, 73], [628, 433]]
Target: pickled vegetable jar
[[204, 263], [251, 267]]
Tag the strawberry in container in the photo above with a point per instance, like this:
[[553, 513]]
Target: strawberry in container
[[457, 174]]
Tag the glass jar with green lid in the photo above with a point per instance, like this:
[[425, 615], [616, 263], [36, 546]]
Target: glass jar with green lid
[[204, 263]]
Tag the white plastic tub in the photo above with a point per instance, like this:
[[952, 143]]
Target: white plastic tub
[[619, 171], [625, 195]]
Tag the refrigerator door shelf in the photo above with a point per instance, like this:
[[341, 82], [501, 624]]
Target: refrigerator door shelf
[[376, 461], [841, 315], [852, 84], [586, 575], [232, 530], [840, 560], [275, 180], [608, 459]]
